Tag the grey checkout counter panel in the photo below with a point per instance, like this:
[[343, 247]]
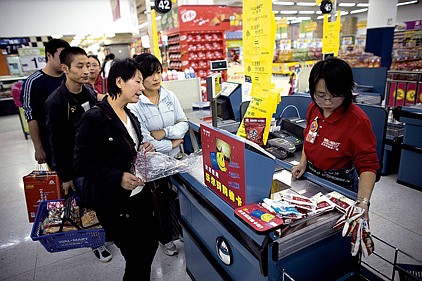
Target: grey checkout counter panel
[[219, 246]]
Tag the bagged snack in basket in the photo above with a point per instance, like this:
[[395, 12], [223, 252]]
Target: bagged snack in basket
[[89, 219], [254, 128], [54, 221]]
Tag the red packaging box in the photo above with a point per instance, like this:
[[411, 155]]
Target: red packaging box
[[40, 186]]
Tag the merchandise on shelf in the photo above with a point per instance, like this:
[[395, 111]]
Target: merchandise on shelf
[[407, 51]]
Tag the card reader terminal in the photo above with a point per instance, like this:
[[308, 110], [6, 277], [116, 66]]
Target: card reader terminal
[[286, 135], [283, 143]]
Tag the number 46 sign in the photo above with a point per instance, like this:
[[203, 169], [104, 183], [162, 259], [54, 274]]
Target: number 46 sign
[[32, 58], [162, 6]]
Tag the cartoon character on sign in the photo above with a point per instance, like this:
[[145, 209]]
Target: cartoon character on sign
[[221, 157]]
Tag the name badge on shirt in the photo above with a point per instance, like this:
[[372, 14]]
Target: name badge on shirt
[[86, 106], [313, 130]]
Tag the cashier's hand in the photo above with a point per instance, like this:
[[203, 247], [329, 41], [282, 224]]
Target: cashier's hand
[[158, 134], [66, 185], [130, 181], [147, 146], [366, 208], [298, 170]]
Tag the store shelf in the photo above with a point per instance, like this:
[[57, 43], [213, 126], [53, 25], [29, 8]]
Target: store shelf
[[195, 50]]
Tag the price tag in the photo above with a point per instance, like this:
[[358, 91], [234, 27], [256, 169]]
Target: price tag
[[163, 6], [32, 58]]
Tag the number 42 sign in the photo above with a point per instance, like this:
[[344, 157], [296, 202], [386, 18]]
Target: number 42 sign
[[32, 58], [162, 6]]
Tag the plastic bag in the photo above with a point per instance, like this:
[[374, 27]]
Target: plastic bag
[[155, 165]]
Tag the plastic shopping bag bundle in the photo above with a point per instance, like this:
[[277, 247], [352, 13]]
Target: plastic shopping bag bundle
[[357, 227], [155, 165]]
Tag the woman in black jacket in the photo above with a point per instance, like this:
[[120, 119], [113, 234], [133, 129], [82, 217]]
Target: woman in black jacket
[[107, 142]]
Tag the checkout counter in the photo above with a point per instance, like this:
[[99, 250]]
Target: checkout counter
[[221, 246]]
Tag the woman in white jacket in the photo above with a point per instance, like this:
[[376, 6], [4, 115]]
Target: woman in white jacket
[[164, 124], [163, 121]]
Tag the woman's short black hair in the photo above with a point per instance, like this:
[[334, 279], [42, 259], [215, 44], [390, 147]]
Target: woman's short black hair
[[338, 78], [125, 69], [149, 63], [95, 57]]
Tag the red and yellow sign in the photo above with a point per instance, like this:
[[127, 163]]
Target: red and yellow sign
[[224, 165], [401, 97]]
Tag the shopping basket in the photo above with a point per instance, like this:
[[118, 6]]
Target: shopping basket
[[63, 241]]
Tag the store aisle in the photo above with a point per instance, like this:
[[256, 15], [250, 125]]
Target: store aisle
[[396, 217]]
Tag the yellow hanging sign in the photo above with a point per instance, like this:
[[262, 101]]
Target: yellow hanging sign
[[331, 35]]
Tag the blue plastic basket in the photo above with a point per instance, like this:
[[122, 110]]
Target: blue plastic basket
[[64, 241]]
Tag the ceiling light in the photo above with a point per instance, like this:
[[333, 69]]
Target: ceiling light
[[346, 4], [158, 18], [288, 12], [359, 11], [304, 18], [343, 13], [309, 4], [275, 12], [281, 3], [306, 12], [363, 5], [318, 12], [406, 3], [291, 18], [277, 18], [321, 17], [142, 25]]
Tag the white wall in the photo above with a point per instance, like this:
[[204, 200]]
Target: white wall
[[409, 13], [21, 18]]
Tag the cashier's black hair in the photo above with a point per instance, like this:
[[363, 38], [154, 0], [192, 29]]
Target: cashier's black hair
[[149, 63], [338, 78], [52, 46], [125, 69]]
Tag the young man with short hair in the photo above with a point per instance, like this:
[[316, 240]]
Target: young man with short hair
[[35, 91], [64, 109]]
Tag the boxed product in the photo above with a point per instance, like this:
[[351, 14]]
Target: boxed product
[[40, 186]]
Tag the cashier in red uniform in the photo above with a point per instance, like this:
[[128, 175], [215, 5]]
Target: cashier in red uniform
[[339, 143]]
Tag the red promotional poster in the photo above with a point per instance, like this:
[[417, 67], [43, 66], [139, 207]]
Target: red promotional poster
[[224, 165]]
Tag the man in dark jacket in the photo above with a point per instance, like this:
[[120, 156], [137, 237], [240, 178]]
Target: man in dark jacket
[[64, 109]]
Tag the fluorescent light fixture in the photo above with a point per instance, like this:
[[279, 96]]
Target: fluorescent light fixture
[[288, 12], [406, 3], [321, 17], [318, 12], [362, 5], [275, 12], [291, 18], [343, 13], [309, 4], [277, 18], [158, 18], [358, 11], [306, 12], [142, 25], [282, 3], [346, 4], [304, 18]]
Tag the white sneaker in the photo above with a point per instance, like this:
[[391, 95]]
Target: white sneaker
[[169, 249], [102, 254]]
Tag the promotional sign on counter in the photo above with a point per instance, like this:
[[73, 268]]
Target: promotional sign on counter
[[224, 165]]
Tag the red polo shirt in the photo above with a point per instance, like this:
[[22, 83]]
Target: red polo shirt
[[343, 139]]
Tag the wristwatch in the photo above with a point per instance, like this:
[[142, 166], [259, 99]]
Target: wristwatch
[[361, 200]]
